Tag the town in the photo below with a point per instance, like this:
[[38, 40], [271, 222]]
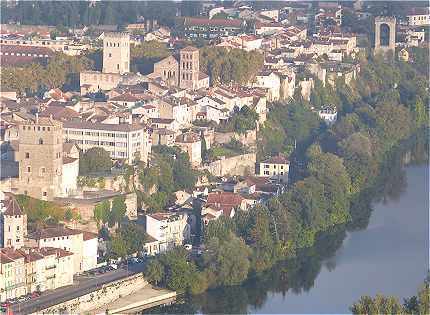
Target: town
[[124, 142]]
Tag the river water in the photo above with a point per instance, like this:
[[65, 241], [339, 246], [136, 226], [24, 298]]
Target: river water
[[389, 257]]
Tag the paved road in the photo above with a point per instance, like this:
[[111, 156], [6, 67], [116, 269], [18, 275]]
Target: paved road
[[82, 285]]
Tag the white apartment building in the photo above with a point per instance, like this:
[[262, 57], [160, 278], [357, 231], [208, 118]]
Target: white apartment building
[[122, 141], [168, 230]]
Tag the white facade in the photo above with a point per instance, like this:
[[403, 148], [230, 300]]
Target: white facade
[[122, 141], [328, 114], [169, 229], [69, 180]]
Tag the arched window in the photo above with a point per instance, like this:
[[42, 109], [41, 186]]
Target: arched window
[[40, 141], [384, 36]]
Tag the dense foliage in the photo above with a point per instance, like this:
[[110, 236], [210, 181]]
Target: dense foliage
[[170, 172], [241, 120], [40, 212], [94, 160], [226, 66], [105, 213], [380, 304], [76, 13], [143, 56], [129, 239], [60, 71]]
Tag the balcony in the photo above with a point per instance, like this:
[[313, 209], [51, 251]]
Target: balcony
[[51, 267]]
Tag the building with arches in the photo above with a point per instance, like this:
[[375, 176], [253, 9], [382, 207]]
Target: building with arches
[[385, 35]]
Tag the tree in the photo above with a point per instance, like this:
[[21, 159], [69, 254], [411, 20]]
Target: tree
[[118, 210], [154, 271], [101, 212], [227, 259], [144, 56], [94, 160], [134, 236], [118, 246], [68, 215], [378, 305]]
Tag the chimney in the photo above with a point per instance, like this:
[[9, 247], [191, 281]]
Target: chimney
[[37, 118]]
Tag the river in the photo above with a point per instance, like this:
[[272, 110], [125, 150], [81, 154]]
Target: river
[[389, 255]]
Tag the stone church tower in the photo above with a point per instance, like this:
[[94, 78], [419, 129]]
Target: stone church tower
[[40, 158], [189, 68], [116, 53]]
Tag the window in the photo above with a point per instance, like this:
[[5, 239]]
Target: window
[[27, 155], [17, 228], [28, 169], [45, 194], [110, 55], [40, 141]]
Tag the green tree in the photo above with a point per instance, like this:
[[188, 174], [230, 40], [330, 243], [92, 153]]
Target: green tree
[[94, 160], [227, 259], [101, 212], [118, 246], [118, 210], [154, 271]]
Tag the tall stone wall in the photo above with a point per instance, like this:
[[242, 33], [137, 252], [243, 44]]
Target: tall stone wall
[[97, 299], [240, 165]]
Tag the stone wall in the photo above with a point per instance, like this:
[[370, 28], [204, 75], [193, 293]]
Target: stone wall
[[249, 138], [241, 165], [96, 299]]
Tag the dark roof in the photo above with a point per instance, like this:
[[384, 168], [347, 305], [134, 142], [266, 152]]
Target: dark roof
[[53, 232], [278, 159], [12, 207], [126, 97], [59, 112]]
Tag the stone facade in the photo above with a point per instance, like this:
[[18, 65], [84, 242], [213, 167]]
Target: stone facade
[[40, 158], [240, 165], [116, 53], [385, 24]]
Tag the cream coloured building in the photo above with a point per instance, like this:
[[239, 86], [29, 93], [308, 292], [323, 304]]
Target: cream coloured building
[[122, 141], [191, 143], [28, 270], [276, 167], [82, 244], [168, 230]]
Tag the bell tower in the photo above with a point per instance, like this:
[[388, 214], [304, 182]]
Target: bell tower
[[189, 68], [116, 52]]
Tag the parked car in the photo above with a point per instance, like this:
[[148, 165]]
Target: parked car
[[188, 246]]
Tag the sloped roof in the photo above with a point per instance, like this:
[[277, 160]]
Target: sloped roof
[[13, 208]]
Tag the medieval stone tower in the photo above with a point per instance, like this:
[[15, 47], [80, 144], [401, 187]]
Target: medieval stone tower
[[40, 158], [116, 53], [385, 34], [189, 68]]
